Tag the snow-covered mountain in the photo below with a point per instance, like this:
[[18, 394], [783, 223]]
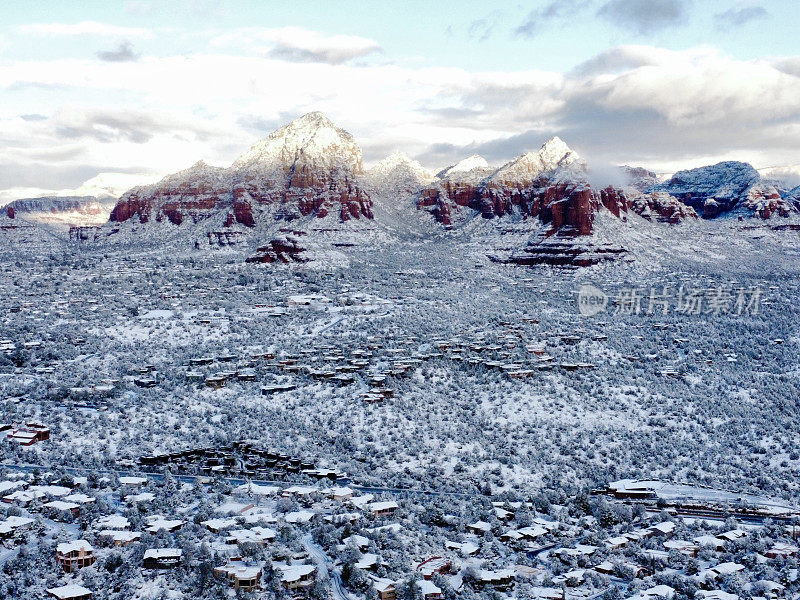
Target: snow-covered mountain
[[720, 188], [63, 210], [308, 167], [312, 169]]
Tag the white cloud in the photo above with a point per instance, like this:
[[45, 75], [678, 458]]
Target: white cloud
[[295, 44], [636, 104], [92, 28]]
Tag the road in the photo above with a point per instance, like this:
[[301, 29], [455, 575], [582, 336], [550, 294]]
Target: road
[[326, 568], [234, 481]]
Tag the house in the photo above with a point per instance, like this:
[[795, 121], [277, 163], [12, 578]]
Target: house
[[367, 562], [571, 578], [241, 575], [615, 543], [682, 546], [62, 508], [479, 527], [113, 522], [132, 482], [71, 591], [217, 525], [429, 590], [75, 555], [500, 580], [297, 577], [709, 540], [385, 588], [10, 526], [340, 493], [782, 550], [162, 558], [28, 434], [659, 591], [433, 565], [382, 509], [158, 522], [666, 528], [256, 535], [120, 537]]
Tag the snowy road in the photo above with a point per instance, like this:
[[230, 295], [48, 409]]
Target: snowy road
[[325, 568], [238, 480]]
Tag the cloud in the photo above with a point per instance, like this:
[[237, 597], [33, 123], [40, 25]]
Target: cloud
[[123, 53], [645, 16], [540, 18], [33, 117], [616, 60], [84, 28], [790, 66], [107, 125], [483, 28], [736, 17], [295, 44], [632, 104]]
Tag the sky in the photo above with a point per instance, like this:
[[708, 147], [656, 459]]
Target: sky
[[136, 89]]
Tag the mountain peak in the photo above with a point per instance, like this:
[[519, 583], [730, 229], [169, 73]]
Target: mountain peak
[[466, 165], [553, 155], [312, 138]]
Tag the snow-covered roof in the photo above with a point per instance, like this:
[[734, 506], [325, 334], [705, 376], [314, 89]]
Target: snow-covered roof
[[292, 573], [74, 546], [71, 590]]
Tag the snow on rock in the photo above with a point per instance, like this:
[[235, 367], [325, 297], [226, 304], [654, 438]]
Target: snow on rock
[[717, 189], [470, 163], [307, 167], [63, 210], [550, 184]]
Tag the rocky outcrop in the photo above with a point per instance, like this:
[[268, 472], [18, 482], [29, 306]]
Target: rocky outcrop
[[725, 187], [308, 167], [285, 249], [63, 210], [661, 207], [639, 178], [550, 185]]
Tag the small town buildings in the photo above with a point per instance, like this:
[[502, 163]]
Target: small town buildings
[[12, 525], [297, 577], [162, 558], [158, 522], [382, 509], [433, 565], [429, 590], [75, 555], [61, 509], [120, 537], [386, 588], [241, 576], [781, 550]]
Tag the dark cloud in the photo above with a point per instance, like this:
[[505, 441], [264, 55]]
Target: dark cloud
[[736, 17], [790, 66], [540, 18], [645, 16], [123, 53], [138, 127]]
